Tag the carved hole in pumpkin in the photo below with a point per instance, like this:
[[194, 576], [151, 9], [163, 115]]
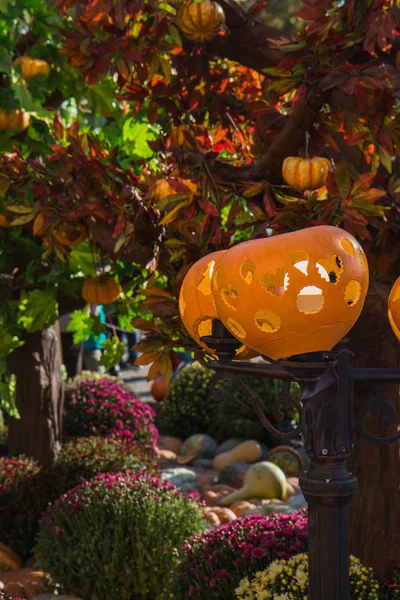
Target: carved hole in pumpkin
[[364, 261], [215, 279], [330, 269], [204, 327], [352, 292], [302, 266], [236, 328], [182, 305], [267, 321], [310, 300], [205, 284], [275, 283], [247, 271], [348, 247], [230, 296]]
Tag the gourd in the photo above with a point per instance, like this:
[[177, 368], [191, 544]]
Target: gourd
[[262, 480], [305, 173], [159, 388], [394, 308], [14, 119], [225, 515], [241, 506], [101, 290], [32, 66], [70, 235], [287, 459], [9, 559], [247, 452], [201, 21]]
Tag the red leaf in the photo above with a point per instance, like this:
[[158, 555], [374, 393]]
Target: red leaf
[[269, 205], [58, 127], [361, 136], [195, 99]]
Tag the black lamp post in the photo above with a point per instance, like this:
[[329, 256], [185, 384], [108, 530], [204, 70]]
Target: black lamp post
[[294, 295]]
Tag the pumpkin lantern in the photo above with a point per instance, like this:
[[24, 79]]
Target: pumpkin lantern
[[101, 290], [201, 21], [196, 302], [305, 173], [292, 293], [394, 308]]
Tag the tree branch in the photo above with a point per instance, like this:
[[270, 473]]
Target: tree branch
[[247, 41], [268, 167]]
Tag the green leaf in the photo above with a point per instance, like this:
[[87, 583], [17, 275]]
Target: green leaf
[[135, 135], [37, 309], [5, 59], [80, 324], [82, 259], [8, 395], [8, 343], [385, 158], [113, 351]]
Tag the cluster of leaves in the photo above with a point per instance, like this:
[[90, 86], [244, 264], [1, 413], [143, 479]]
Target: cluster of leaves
[[123, 528]]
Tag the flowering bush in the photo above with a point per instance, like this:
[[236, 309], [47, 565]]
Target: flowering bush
[[120, 530], [288, 579], [104, 407], [83, 458], [391, 589], [212, 564], [23, 497]]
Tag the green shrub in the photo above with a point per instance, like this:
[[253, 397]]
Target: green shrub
[[289, 579], [24, 494], [83, 458], [188, 407], [113, 537], [102, 407], [234, 417], [3, 436]]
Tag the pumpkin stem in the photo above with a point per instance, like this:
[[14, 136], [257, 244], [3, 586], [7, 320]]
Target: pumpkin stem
[[307, 142]]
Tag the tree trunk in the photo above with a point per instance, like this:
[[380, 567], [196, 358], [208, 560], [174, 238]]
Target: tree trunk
[[37, 367], [375, 514]]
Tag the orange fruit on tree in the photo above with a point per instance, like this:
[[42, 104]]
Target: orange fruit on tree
[[102, 289], [201, 21], [159, 389], [305, 173], [32, 66], [70, 235], [14, 119]]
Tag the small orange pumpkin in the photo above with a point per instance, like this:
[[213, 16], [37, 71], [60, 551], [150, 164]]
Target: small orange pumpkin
[[305, 173], [201, 21], [159, 388], [163, 188], [394, 308], [32, 66], [70, 235], [101, 290], [4, 222], [14, 119]]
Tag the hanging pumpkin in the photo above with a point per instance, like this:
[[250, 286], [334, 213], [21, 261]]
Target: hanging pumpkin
[[14, 119], [163, 188], [196, 303], [159, 388], [101, 290], [201, 21], [394, 308], [4, 222], [32, 66], [292, 293], [305, 173], [70, 235]]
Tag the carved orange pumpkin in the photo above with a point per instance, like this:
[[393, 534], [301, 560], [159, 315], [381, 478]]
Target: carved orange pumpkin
[[201, 21], [70, 235], [4, 222], [101, 290], [292, 293], [14, 119], [196, 302], [32, 66], [305, 173], [163, 188], [394, 308]]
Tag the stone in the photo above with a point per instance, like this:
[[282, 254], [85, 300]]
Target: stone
[[204, 463], [234, 474], [229, 445], [199, 445], [269, 507], [206, 478], [182, 478], [166, 442]]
